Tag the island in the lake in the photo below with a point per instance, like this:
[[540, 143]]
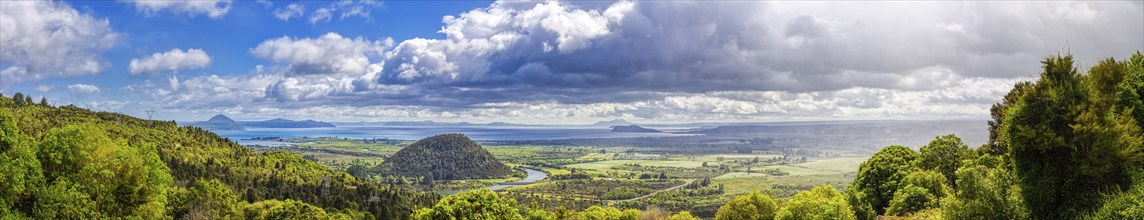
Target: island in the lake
[[219, 123], [634, 128]]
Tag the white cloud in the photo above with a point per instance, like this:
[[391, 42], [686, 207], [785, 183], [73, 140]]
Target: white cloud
[[41, 39], [172, 60], [503, 29], [347, 8], [329, 54], [44, 88], [320, 15], [290, 11], [82, 89], [211, 8]]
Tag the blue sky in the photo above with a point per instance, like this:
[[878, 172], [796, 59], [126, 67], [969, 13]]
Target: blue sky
[[228, 38], [548, 62]]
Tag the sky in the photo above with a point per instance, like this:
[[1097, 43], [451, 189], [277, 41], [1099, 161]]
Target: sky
[[548, 62]]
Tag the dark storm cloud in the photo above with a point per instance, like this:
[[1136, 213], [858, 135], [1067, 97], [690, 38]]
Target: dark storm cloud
[[754, 46]]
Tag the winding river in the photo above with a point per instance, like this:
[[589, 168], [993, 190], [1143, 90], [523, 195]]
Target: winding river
[[533, 176]]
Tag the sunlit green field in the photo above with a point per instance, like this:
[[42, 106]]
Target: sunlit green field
[[608, 164], [841, 164], [715, 157], [783, 186], [837, 171]]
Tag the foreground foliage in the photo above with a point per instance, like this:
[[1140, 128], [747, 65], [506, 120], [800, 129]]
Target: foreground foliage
[[70, 162], [751, 206], [1069, 140], [822, 202]]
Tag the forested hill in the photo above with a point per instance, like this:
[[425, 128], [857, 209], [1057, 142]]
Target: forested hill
[[446, 157], [69, 162]]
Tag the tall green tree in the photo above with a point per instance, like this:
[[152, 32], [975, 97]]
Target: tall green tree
[[753, 206], [1067, 144], [878, 178], [1132, 88], [822, 202], [944, 154], [19, 98], [997, 145]]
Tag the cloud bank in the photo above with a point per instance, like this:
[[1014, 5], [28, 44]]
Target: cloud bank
[[42, 39], [169, 61], [82, 89], [524, 61], [214, 9]]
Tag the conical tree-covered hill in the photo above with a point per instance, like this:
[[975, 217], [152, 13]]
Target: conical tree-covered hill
[[446, 157]]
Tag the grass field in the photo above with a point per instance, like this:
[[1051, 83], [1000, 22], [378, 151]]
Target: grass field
[[785, 186], [733, 175], [608, 164], [715, 157], [349, 144], [795, 170], [841, 164]]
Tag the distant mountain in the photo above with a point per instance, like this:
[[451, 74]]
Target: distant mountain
[[613, 123], [446, 157], [634, 128], [286, 123], [218, 123]]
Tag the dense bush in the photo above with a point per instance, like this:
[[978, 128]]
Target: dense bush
[[747, 207]]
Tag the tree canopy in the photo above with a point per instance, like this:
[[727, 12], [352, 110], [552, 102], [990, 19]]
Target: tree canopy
[[879, 176], [918, 191], [476, 204], [822, 202], [944, 154], [987, 190], [1068, 144], [755, 205]]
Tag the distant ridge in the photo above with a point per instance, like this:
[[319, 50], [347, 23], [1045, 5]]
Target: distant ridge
[[634, 129], [613, 123], [446, 157], [218, 122]]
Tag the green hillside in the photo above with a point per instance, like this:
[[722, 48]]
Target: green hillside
[[446, 157], [69, 162]]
